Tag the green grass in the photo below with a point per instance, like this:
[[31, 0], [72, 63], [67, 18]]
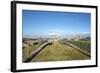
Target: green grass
[[59, 52], [84, 45]]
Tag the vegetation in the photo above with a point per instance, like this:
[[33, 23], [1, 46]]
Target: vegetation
[[55, 51], [82, 44], [58, 52], [31, 46]]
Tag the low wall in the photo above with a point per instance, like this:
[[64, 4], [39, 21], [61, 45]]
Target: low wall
[[34, 53]]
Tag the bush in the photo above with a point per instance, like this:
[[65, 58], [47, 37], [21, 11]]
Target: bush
[[23, 47], [35, 43]]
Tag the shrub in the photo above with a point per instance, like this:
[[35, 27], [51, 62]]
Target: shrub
[[35, 43]]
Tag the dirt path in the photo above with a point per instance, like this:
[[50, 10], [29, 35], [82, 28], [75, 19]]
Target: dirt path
[[59, 52]]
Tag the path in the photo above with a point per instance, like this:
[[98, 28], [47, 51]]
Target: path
[[59, 52]]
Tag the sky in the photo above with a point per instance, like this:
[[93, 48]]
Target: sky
[[51, 22]]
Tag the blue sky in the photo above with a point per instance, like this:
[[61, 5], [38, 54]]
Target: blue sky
[[45, 22]]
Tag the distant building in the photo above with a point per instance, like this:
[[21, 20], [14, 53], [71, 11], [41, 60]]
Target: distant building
[[54, 37], [77, 38]]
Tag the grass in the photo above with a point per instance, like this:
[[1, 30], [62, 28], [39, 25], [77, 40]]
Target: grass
[[58, 52], [84, 45], [27, 50]]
